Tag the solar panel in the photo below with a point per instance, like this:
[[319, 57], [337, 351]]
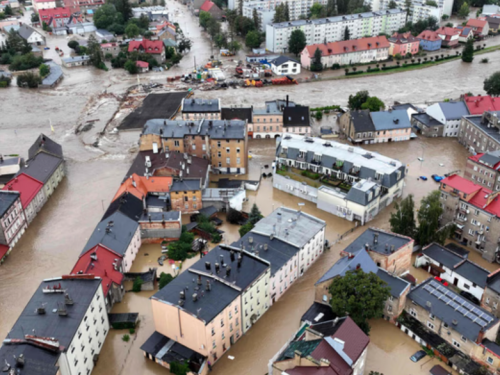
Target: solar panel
[[463, 311], [454, 305], [446, 300], [482, 323]]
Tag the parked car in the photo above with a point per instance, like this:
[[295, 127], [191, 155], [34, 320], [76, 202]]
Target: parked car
[[437, 178], [423, 178], [444, 282], [418, 356], [470, 297]]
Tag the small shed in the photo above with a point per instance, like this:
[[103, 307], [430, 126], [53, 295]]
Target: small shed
[[142, 66]]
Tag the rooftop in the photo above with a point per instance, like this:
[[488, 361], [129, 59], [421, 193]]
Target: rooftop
[[200, 105], [453, 110], [37, 360], [474, 22], [296, 116], [72, 59], [349, 46], [461, 184], [485, 127], [477, 105], [128, 204], [404, 38], [427, 120], [238, 113], [429, 35], [397, 285], [169, 350], [359, 259], [318, 313], [388, 120], [274, 107], [7, 199], [216, 129], [362, 121], [54, 75], [26, 185], [283, 60], [140, 186], [42, 166], [490, 159], [153, 47], [186, 185], [379, 241]]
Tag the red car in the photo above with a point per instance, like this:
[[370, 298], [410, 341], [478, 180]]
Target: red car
[[445, 283]]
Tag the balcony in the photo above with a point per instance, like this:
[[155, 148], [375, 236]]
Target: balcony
[[462, 219]]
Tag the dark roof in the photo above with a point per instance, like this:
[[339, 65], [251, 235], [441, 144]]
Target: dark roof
[[227, 183], [42, 166], [490, 158], [313, 312], [362, 121], [304, 347], [200, 106], [117, 237], [186, 185], [473, 272], [7, 199], [427, 120], [384, 241], [238, 113], [491, 131], [392, 119], [47, 145], [360, 259], [161, 216], [451, 308], [328, 328], [282, 60], [397, 285], [442, 255], [459, 250], [155, 201], [169, 350], [405, 106], [296, 116], [128, 204], [61, 328], [215, 129], [278, 252], [439, 370], [37, 361], [492, 346], [208, 211], [493, 281]]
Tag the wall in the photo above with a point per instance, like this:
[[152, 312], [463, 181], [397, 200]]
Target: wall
[[234, 160], [311, 251], [54, 180], [132, 250], [35, 206], [482, 175], [393, 135], [146, 141], [487, 358], [475, 140], [283, 279], [490, 302], [156, 232], [359, 366], [255, 300], [186, 201], [13, 224], [295, 188], [398, 262], [201, 115]]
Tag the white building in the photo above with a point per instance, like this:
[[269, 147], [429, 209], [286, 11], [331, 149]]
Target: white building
[[420, 10], [332, 29], [449, 114], [284, 66], [264, 12], [296, 7], [44, 4]]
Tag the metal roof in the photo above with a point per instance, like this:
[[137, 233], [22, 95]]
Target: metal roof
[[42, 167], [385, 240], [37, 361], [7, 199], [397, 285], [388, 120], [200, 105], [54, 75], [46, 145], [454, 110], [359, 259], [215, 129]]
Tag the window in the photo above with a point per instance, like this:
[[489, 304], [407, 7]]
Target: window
[[430, 325], [176, 143], [490, 360], [456, 343], [213, 331], [464, 339], [431, 316], [218, 143], [76, 362], [413, 313], [228, 160], [467, 286], [213, 344], [222, 322], [237, 150]]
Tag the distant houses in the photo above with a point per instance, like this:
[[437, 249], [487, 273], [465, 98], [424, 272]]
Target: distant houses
[[403, 44]]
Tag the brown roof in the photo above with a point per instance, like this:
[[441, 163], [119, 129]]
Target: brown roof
[[429, 35], [355, 339], [347, 46], [402, 38], [477, 23], [448, 31]]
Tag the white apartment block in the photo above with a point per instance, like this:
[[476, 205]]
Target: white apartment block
[[332, 29], [265, 13], [296, 7], [419, 9]]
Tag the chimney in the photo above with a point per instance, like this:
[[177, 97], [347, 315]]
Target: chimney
[[195, 297], [20, 361], [199, 279], [240, 258], [217, 267], [367, 247], [375, 238], [287, 100], [231, 255], [222, 260], [392, 248], [208, 287], [182, 295], [265, 247], [228, 270], [207, 266], [67, 300]]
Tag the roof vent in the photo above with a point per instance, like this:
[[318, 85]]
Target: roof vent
[[428, 304], [454, 322], [195, 297], [41, 310], [207, 265], [181, 302], [250, 239], [67, 300], [266, 246], [208, 287], [61, 310], [182, 295]]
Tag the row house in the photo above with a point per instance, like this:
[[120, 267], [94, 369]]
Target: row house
[[480, 133], [429, 40], [441, 119], [484, 169], [477, 105], [449, 36], [60, 16], [347, 52], [403, 44], [12, 219], [475, 211], [161, 226], [197, 109], [224, 143], [32, 194], [268, 121], [296, 8]]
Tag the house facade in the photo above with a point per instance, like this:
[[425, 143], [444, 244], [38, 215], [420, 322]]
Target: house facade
[[484, 169], [297, 120], [12, 219], [479, 26], [112, 48], [153, 47], [210, 7], [403, 44], [268, 121], [285, 66], [449, 114], [449, 36], [479, 133], [429, 40], [197, 109], [160, 226]]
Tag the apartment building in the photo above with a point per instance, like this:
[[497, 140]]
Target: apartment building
[[491, 295], [268, 121], [332, 29], [480, 133], [296, 8], [224, 143], [403, 44], [420, 10], [197, 109], [296, 120], [484, 169], [475, 211], [61, 330], [157, 227], [12, 219], [449, 114], [347, 52], [265, 12]]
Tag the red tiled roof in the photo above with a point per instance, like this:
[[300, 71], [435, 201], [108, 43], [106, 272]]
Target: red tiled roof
[[102, 267], [461, 184], [27, 186], [144, 185], [355, 339], [207, 5], [348, 46], [404, 38], [337, 363], [108, 45], [3, 251], [148, 46], [477, 105], [478, 156], [429, 35], [142, 64], [448, 31], [55, 13], [477, 23]]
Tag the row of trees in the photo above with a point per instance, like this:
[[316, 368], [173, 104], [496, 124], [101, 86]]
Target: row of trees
[[416, 28], [116, 17], [363, 100]]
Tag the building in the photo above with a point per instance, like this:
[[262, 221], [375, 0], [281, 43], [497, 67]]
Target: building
[[296, 120], [358, 126], [444, 312], [296, 8], [210, 7], [479, 26], [142, 66], [43, 4], [283, 66], [128, 204], [55, 76], [332, 29], [490, 9], [453, 268], [12, 220], [347, 52], [197, 109], [31, 36], [102, 34], [480, 133], [153, 47], [466, 33], [60, 18], [47, 169], [238, 113], [355, 184], [159, 226], [494, 23], [449, 36], [429, 40], [265, 12], [419, 10], [483, 169], [224, 143], [449, 114], [268, 121], [186, 195], [333, 347], [427, 125], [113, 48], [403, 44], [9, 167], [491, 295], [62, 328], [475, 211], [477, 105], [31, 192], [71, 62]]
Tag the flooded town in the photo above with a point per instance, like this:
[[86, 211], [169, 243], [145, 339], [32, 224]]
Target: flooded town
[[183, 192]]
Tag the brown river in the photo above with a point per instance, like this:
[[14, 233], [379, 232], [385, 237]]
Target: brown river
[[54, 240]]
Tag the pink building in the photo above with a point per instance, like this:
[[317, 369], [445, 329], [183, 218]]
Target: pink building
[[403, 44], [449, 36]]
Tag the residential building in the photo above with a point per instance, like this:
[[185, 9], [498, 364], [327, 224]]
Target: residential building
[[494, 23], [357, 184], [142, 66], [466, 33], [71, 62], [449, 114], [47, 169], [333, 347], [31, 36], [167, 32], [453, 268], [59, 17], [268, 121], [128, 204], [358, 126], [210, 7], [197, 109], [153, 47], [443, 311], [43, 4], [427, 125], [238, 113], [479, 26], [265, 12], [9, 167], [31, 192], [403, 44], [480, 133], [449, 36], [475, 211], [296, 7], [419, 10], [484, 169], [490, 9], [102, 34], [429, 40], [285, 66], [491, 295], [12, 219], [54, 77], [347, 52], [160, 226], [65, 317], [477, 105], [112, 48], [224, 143], [332, 29], [296, 120], [44, 144], [185, 195]]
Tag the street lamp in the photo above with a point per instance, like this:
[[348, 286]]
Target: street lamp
[[422, 158]]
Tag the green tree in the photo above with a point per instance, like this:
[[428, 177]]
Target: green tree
[[233, 216], [8, 10], [106, 15], [297, 42], [463, 12], [204, 18], [95, 54], [16, 44], [256, 19], [178, 368], [253, 39], [132, 30], [234, 46], [428, 220], [137, 286], [356, 101], [176, 59], [143, 21], [124, 8], [220, 40], [255, 215], [331, 8], [361, 295], [468, 51], [373, 103], [316, 64], [5, 81], [73, 44], [213, 27], [392, 4], [131, 67], [403, 219], [165, 278], [35, 17], [44, 70], [408, 9], [25, 62], [316, 11], [346, 33], [184, 45], [279, 13], [244, 229], [28, 79], [286, 12], [492, 84]]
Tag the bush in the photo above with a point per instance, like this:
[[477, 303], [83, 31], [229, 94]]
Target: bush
[[132, 331], [233, 216], [5, 81], [28, 79], [311, 175], [137, 285], [165, 278], [336, 66], [245, 229], [216, 238], [44, 70], [485, 60], [25, 62], [318, 115], [73, 44], [126, 338]]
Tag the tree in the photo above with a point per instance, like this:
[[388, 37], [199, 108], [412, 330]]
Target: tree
[[316, 11], [178, 368], [94, 51], [132, 30], [184, 45], [233, 216], [255, 215], [35, 17], [392, 4], [316, 64], [234, 46], [73, 44], [28, 79], [256, 19], [297, 42], [463, 12], [428, 220], [137, 286], [165, 278], [356, 101], [468, 51], [131, 67], [492, 84], [124, 8], [176, 59], [253, 40], [5, 81], [279, 15], [244, 229], [374, 104], [106, 16], [408, 9], [346, 33], [403, 219], [143, 21], [286, 12], [8, 10], [204, 18], [44, 70], [361, 295], [25, 62]]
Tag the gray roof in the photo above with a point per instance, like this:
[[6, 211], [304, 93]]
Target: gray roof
[[7, 199], [459, 250], [362, 121], [273, 107], [208, 211], [26, 31], [282, 60], [397, 285], [405, 106], [169, 350], [296, 116], [55, 74], [384, 241], [360, 192], [161, 216], [460, 315], [473, 272], [103, 32], [278, 252], [491, 158], [42, 167], [119, 236], [493, 282], [292, 226], [442, 255], [37, 361], [75, 59], [454, 110], [186, 185], [237, 113], [387, 120], [494, 347], [215, 129], [200, 106], [50, 324], [46, 145], [359, 259], [427, 120], [128, 204], [491, 131], [315, 310]]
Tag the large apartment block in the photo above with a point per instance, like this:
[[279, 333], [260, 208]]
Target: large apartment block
[[296, 7], [420, 10], [484, 169], [480, 133], [332, 29]]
